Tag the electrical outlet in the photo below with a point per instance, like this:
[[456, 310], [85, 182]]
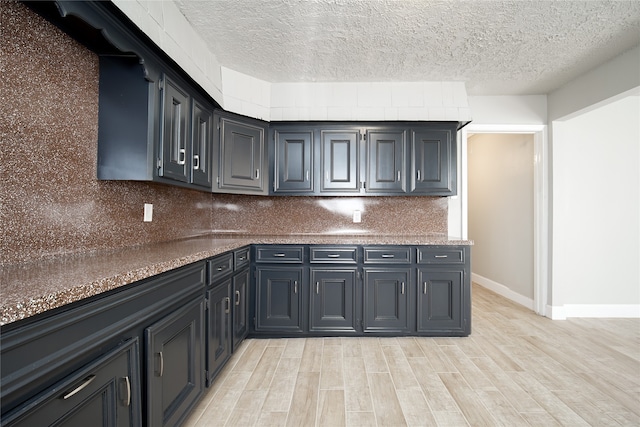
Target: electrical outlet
[[148, 212], [357, 216]]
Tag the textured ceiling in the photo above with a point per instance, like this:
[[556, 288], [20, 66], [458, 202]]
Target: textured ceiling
[[496, 47]]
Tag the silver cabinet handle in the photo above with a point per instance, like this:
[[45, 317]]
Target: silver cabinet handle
[[333, 255], [241, 258], [279, 255], [257, 173], [398, 176], [326, 176], [295, 286], [84, 384], [127, 385], [196, 162], [440, 256], [317, 288], [181, 156], [227, 304], [160, 371], [418, 175], [402, 288], [307, 174], [237, 297], [222, 267], [387, 255], [424, 288]]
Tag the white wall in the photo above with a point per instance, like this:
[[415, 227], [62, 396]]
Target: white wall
[[596, 212], [500, 211]]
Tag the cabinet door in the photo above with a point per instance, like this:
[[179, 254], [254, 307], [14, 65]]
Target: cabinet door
[[174, 122], [339, 161], [293, 171], [386, 307], [333, 300], [219, 328], [242, 156], [240, 307], [386, 161], [278, 297], [440, 301], [202, 145], [433, 162], [104, 393], [175, 371]]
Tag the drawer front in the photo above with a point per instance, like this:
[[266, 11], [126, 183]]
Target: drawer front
[[387, 255], [279, 254], [333, 254], [440, 255], [241, 258], [220, 267]]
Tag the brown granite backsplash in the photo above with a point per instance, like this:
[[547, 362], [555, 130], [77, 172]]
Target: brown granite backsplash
[[329, 215], [51, 202]]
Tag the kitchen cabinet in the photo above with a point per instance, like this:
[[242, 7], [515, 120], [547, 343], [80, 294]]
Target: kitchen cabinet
[[219, 345], [175, 365], [365, 159], [163, 312], [339, 161], [227, 308], [386, 300], [434, 160], [241, 287], [333, 300], [159, 130], [242, 152], [293, 163], [440, 301], [279, 276], [386, 161], [106, 392]]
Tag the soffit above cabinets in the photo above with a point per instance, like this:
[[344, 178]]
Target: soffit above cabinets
[[495, 47]]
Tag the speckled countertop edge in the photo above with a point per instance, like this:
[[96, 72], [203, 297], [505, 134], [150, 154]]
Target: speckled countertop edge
[[33, 288]]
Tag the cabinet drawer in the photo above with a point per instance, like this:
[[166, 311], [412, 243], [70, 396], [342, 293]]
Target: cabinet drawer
[[333, 254], [220, 266], [387, 255], [241, 258], [279, 254], [441, 255]]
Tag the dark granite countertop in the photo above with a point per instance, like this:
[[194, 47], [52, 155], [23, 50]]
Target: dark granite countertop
[[33, 288]]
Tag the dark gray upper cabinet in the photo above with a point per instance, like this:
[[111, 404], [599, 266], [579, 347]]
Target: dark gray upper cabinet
[[242, 156], [386, 161], [434, 161], [202, 144], [365, 159], [339, 161], [293, 166], [173, 137]]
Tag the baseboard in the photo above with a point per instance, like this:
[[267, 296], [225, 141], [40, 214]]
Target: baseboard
[[502, 290], [626, 311]]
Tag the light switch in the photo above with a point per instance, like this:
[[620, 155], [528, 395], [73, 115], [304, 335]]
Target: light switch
[[357, 216], [148, 212]]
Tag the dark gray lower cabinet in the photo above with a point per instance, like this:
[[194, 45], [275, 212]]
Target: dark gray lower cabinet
[[333, 300], [219, 328], [440, 301], [386, 300], [240, 307], [175, 365], [104, 393], [278, 296]]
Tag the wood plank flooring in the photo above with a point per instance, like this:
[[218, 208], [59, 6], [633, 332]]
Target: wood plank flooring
[[516, 369]]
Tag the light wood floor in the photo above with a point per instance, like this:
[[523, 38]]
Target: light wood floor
[[516, 369]]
